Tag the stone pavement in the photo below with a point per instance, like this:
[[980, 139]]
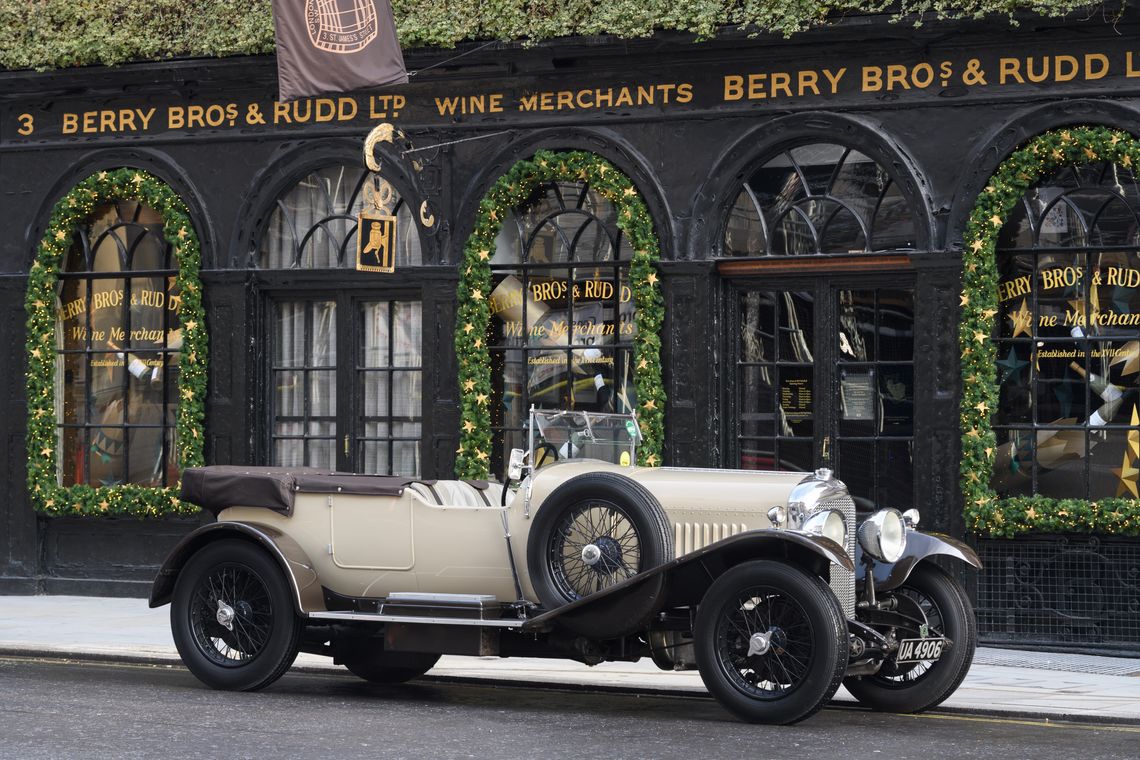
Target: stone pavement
[[1002, 682]]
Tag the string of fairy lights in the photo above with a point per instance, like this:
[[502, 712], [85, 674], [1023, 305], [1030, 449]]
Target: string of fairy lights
[[985, 512], [71, 212], [473, 319]]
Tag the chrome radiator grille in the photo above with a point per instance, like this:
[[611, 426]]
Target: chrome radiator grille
[[843, 581]]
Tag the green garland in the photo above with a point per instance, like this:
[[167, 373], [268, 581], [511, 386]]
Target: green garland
[[474, 314], [72, 211], [985, 512]]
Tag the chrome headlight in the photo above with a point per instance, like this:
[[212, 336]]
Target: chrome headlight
[[828, 523], [883, 535]]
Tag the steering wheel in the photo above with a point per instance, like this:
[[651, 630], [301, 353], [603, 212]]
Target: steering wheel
[[545, 453]]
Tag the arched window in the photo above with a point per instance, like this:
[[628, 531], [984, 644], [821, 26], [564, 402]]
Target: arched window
[[819, 198], [562, 313], [118, 339], [1068, 363], [313, 225]]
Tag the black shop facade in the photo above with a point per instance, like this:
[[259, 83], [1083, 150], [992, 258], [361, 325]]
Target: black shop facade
[[911, 255]]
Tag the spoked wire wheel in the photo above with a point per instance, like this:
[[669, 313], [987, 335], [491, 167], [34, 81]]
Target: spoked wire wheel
[[764, 639], [593, 545], [770, 642], [231, 615]]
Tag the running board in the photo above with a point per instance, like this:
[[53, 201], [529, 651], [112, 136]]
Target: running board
[[380, 617]]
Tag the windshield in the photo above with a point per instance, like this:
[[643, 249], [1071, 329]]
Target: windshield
[[559, 435]]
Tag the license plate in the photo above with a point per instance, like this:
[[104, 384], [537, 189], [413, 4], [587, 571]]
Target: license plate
[[920, 650]]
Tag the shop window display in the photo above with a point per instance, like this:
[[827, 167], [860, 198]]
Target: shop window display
[[562, 312], [118, 338], [1067, 329]]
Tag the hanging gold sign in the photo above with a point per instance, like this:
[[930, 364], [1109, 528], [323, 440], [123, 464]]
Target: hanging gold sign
[[376, 230]]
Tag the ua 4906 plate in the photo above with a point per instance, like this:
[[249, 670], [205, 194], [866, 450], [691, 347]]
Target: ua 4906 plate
[[920, 650]]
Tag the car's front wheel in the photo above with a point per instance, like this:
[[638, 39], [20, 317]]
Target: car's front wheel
[[232, 617], [917, 686], [770, 642]]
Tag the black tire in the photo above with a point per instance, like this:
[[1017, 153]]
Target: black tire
[[914, 688], [615, 515], [265, 632], [378, 666], [806, 652]]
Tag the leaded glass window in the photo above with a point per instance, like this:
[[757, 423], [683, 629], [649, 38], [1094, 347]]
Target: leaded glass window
[[1067, 334], [818, 199], [118, 339]]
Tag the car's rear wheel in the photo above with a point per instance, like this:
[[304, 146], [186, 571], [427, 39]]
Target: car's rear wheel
[[770, 642], [593, 532], [232, 617], [914, 687]]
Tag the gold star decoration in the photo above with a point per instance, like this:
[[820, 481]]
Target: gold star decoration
[[1066, 137], [642, 363], [190, 325], [1057, 155], [46, 451], [1115, 139], [103, 505], [481, 454], [187, 393], [1126, 160], [468, 385], [137, 179], [476, 295], [602, 169], [182, 233], [651, 460], [989, 452], [982, 407], [36, 353], [1090, 153], [964, 300], [484, 254], [1022, 320], [973, 433], [979, 336], [630, 192], [652, 278], [459, 450], [468, 426], [468, 327], [650, 404], [981, 501], [989, 313], [478, 343], [995, 220], [102, 176], [494, 215], [1031, 513], [60, 235], [977, 246], [482, 398]]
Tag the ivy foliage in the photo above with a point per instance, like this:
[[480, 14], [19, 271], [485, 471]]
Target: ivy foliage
[[52, 34], [72, 211], [985, 512], [473, 294]]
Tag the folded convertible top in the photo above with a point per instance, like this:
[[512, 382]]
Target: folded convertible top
[[219, 487]]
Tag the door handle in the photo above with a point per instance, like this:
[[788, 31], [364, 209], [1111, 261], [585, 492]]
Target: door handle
[[346, 445], [826, 448]]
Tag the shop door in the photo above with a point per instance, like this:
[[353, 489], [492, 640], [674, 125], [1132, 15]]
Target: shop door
[[825, 378], [345, 380]]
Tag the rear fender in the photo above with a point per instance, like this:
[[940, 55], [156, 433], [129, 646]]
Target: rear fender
[[689, 576], [296, 566], [919, 546]]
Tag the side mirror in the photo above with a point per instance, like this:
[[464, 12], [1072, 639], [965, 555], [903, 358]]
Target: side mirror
[[515, 464]]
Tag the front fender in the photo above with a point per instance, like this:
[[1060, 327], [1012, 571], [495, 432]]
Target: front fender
[[919, 546], [688, 576], [294, 563]]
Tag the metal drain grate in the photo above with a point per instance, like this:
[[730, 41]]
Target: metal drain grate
[[1069, 663]]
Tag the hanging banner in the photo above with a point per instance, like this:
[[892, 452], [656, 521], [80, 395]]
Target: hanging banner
[[326, 46]]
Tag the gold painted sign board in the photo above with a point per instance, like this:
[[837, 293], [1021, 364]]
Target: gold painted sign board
[[376, 243]]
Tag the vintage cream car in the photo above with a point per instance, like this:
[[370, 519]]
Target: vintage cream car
[[758, 579]]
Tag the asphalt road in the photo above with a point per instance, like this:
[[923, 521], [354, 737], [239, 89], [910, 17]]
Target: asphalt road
[[69, 710]]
